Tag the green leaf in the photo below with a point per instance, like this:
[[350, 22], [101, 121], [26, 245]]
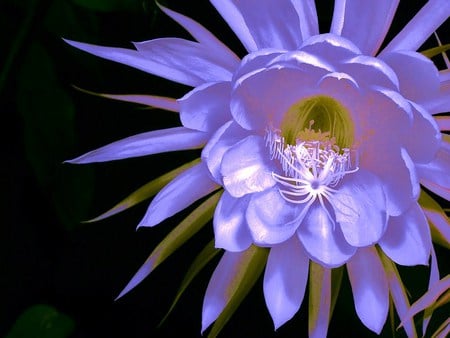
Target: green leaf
[[42, 321], [203, 258], [429, 53], [319, 300], [146, 191], [110, 5], [252, 265], [177, 237]]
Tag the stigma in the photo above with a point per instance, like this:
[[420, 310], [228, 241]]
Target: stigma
[[310, 168]]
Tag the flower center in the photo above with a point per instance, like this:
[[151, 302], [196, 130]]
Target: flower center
[[313, 149]]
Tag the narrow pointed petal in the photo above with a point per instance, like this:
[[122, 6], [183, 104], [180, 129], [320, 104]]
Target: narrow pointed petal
[[206, 107], [418, 76], [419, 28], [307, 14], [407, 240], [441, 102], [322, 239], [360, 208], [152, 142], [246, 167], [270, 218], [230, 226], [437, 171], [366, 22], [285, 280], [205, 37], [370, 288], [319, 301], [440, 225], [185, 189]]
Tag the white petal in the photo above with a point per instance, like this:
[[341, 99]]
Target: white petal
[[152, 142], [419, 28], [364, 22], [246, 167], [407, 240], [323, 239], [202, 35], [206, 107], [185, 189], [285, 280], [370, 288], [360, 208], [270, 218], [230, 226]]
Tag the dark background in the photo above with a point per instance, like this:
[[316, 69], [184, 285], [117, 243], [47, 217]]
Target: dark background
[[64, 273]]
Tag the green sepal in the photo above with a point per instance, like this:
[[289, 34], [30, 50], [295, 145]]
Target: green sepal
[[177, 237], [148, 190], [251, 266], [427, 202], [203, 258], [429, 53], [319, 299], [336, 282]]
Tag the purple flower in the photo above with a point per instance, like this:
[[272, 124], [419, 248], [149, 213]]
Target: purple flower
[[319, 141]]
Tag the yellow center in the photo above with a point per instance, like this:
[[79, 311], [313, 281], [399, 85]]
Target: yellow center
[[318, 118]]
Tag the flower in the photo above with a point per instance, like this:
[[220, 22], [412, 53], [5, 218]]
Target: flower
[[319, 141]]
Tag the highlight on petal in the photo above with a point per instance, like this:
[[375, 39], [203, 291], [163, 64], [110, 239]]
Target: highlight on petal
[[419, 28], [148, 143], [365, 23], [369, 287], [207, 107], [322, 239], [285, 280], [230, 226], [246, 167], [177, 237], [360, 208], [185, 189], [407, 240]]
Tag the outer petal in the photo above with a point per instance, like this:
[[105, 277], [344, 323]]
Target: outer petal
[[429, 18], [246, 167], [271, 219], [322, 239], [407, 240], [364, 22], [152, 142], [179, 60], [370, 288], [438, 170], [206, 107], [419, 77], [185, 189], [360, 208], [230, 226], [225, 137], [307, 14], [285, 280], [166, 103], [270, 23]]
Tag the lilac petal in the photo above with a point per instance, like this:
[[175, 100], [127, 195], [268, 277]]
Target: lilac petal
[[322, 239], [419, 28], [270, 218], [366, 23], [246, 167], [443, 122], [370, 288], [256, 61], [206, 107], [307, 14], [436, 188], [418, 76], [360, 208], [285, 280], [230, 226], [438, 169], [370, 70], [225, 137], [441, 102], [205, 37], [263, 23], [185, 189], [178, 60], [407, 240], [152, 142], [424, 138], [441, 223]]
